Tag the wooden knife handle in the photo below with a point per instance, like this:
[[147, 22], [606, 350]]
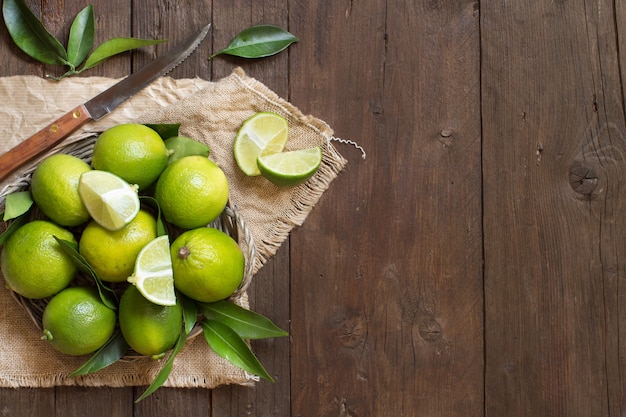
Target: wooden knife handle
[[43, 140]]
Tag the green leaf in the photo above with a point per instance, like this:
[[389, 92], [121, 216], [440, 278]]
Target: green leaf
[[190, 312], [165, 371], [154, 204], [17, 204], [107, 355], [107, 295], [258, 41], [182, 146], [13, 226], [165, 130], [247, 324], [116, 46], [30, 35], [81, 36], [229, 345]]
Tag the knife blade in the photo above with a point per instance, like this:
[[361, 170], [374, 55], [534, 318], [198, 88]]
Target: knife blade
[[99, 106]]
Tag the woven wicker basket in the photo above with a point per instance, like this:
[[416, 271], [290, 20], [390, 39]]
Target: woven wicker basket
[[81, 146]]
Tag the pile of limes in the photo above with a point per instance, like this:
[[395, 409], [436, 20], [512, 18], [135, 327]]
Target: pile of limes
[[99, 208]]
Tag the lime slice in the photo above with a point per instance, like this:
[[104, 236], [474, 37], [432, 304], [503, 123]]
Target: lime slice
[[263, 134], [290, 168], [110, 200], [153, 274]]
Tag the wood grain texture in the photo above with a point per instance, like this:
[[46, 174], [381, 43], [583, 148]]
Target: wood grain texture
[[387, 313], [553, 110]]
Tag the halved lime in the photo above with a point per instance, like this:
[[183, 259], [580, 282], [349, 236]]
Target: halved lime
[[110, 200], [290, 168], [153, 275], [264, 133]]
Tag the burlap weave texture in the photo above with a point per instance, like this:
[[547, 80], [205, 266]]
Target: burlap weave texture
[[208, 111]]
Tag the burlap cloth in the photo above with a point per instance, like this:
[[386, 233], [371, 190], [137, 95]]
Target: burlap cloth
[[208, 111]]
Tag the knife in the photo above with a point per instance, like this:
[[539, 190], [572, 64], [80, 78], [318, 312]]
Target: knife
[[98, 107]]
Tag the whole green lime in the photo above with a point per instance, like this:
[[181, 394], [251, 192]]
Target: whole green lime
[[76, 321], [148, 328], [54, 188], [192, 192], [208, 264], [33, 263], [112, 254], [131, 151]]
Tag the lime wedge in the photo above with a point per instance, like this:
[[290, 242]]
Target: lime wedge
[[262, 134], [110, 200], [290, 168], [153, 274]]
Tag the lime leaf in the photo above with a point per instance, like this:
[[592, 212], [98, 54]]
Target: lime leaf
[[107, 355], [30, 35], [246, 323], [116, 46], [107, 295], [154, 204], [182, 146], [17, 204], [165, 130], [165, 371], [190, 312], [13, 226], [258, 41], [229, 345], [81, 36]]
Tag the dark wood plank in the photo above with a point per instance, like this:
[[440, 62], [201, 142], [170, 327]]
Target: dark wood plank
[[27, 402], [386, 297], [553, 117], [90, 401]]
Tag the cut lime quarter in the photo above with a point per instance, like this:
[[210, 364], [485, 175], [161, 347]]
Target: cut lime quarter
[[110, 201], [264, 133], [290, 168], [153, 275]]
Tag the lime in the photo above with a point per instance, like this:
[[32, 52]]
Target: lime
[[110, 200], [76, 322], [148, 328], [33, 263], [208, 264], [153, 272], [112, 254], [54, 188], [290, 168], [131, 151], [264, 133], [192, 192]]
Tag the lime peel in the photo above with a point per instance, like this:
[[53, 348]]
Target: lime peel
[[153, 275], [264, 133], [110, 200], [290, 168]]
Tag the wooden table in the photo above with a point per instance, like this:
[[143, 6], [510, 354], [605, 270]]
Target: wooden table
[[474, 263]]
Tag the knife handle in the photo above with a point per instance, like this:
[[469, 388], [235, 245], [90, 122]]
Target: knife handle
[[43, 140]]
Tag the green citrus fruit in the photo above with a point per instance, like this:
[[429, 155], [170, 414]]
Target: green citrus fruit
[[208, 264], [133, 152], [290, 168], [264, 133], [153, 274], [33, 263], [110, 200], [192, 192], [54, 188], [148, 328], [112, 254], [77, 322]]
